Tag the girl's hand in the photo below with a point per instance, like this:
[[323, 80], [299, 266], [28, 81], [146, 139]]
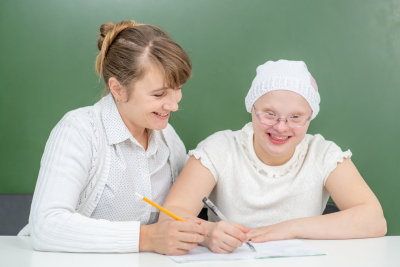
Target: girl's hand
[[224, 237], [279, 231]]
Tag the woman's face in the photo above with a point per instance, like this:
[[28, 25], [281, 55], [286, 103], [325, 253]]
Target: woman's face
[[275, 145], [150, 102]]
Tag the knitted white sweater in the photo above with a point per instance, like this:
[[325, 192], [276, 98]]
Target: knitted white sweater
[[74, 170]]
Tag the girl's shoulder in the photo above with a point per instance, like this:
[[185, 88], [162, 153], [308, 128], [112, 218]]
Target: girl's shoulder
[[323, 153], [220, 140], [316, 143]]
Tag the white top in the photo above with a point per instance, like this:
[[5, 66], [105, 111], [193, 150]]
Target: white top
[[77, 167], [131, 170], [254, 194]]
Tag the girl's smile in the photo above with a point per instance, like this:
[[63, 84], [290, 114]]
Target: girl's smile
[[275, 144]]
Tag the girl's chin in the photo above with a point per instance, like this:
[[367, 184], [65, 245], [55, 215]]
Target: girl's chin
[[279, 148]]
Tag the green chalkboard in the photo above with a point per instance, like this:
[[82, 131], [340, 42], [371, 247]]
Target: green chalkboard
[[352, 47]]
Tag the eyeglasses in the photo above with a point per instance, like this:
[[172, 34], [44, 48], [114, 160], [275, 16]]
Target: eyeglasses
[[271, 119]]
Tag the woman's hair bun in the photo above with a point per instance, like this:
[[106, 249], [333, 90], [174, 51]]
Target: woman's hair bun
[[104, 29], [108, 32]]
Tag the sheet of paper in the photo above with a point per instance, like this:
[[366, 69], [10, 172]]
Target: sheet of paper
[[283, 248]]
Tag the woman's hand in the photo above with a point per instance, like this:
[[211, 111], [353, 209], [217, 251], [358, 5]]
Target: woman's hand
[[224, 237], [279, 231], [172, 237]]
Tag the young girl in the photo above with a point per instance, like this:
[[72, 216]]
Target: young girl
[[97, 157], [271, 178]]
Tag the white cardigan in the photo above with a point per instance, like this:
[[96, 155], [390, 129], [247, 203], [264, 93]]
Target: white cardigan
[[63, 203]]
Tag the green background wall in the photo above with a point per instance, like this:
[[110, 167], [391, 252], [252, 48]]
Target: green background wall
[[48, 49]]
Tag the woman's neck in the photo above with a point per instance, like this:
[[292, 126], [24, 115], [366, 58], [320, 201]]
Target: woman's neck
[[142, 137], [139, 133]]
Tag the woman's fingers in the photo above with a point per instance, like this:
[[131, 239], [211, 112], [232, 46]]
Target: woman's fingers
[[191, 227], [190, 237], [175, 237]]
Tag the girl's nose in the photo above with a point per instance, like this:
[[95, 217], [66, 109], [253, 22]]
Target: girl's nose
[[281, 126]]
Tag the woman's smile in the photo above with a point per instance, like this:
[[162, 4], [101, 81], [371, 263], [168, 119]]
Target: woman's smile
[[162, 116]]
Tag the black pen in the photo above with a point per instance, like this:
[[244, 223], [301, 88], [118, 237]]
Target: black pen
[[219, 214]]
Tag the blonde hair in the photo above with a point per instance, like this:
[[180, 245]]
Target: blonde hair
[[126, 49]]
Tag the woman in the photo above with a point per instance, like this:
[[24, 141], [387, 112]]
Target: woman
[[272, 178], [97, 157]]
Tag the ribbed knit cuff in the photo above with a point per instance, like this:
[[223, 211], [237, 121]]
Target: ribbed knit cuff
[[128, 239]]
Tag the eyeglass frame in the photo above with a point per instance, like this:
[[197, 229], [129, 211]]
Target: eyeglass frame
[[280, 119]]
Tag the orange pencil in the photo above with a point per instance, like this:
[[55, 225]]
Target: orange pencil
[[159, 207]]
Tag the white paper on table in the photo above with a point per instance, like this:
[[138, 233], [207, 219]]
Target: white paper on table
[[272, 249]]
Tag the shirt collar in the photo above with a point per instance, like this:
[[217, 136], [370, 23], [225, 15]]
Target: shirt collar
[[117, 132], [115, 128], [153, 144], [294, 162]]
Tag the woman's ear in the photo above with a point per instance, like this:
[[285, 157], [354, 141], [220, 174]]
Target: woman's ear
[[116, 89]]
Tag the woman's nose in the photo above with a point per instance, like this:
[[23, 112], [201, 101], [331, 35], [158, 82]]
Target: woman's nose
[[173, 100]]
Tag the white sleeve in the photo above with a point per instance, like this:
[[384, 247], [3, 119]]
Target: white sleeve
[[177, 149], [330, 154], [214, 152], [54, 223]]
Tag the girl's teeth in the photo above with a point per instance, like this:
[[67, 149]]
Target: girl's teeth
[[280, 138]]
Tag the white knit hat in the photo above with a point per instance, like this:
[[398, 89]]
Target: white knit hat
[[284, 75]]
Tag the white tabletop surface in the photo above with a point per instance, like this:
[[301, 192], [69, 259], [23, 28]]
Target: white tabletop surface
[[379, 252]]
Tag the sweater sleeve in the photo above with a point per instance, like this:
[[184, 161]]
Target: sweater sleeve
[[54, 223], [178, 155]]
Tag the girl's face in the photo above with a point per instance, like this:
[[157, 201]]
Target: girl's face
[[275, 145], [150, 102]]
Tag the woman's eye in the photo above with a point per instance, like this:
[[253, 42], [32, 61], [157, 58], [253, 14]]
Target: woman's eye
[[159, 95]]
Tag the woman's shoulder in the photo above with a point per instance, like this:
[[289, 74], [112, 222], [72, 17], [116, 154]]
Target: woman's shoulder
[[83, 123], [81, 118]]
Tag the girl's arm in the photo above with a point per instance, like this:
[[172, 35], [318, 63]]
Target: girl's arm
[[360, 214], [185, 199]]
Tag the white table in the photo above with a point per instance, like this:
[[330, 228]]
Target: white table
[[377, 252]]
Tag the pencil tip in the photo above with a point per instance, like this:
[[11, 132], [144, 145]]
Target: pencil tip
[[139, 195]]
